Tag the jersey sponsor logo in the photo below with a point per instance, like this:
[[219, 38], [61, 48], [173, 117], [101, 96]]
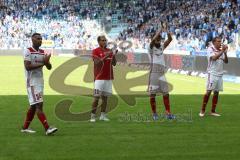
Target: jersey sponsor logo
[[38, 61], [38, 96], [96, 91]]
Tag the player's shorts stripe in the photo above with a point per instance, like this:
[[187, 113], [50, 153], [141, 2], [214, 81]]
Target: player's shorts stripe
[[149, 81], [151, 66], [37, 53], [210, 64], [28, 79], [28, 82], [33, 94], [208, 80]]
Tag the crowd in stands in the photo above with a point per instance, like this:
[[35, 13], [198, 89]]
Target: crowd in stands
[[56, 20], [75, 23], [193, 23]]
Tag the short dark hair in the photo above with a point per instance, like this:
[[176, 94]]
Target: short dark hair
[[36, 34], [99, 38], [215, 38]]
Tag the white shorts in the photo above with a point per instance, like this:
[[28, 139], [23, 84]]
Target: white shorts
[[158, 84], [102, 88], [35, 94], [214, 83]]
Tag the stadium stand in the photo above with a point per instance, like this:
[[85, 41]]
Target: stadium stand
[[75, 23]]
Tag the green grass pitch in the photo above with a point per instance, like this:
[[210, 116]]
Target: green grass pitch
[[194, 138]]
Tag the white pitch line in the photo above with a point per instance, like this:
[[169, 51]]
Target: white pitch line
[[187, 80], [232, 88]]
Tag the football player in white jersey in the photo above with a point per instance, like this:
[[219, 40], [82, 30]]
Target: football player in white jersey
[[157, 81], [217, 56], [34, 60]]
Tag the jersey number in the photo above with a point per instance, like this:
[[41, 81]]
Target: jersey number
[[96, 91], [38, 96]]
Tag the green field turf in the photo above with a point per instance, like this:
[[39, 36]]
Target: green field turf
[[187, 138]]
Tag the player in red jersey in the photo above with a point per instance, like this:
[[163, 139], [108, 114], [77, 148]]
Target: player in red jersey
[[104, 60], [34, 59]]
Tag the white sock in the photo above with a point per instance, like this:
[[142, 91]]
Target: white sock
[[103, 114], [93, 115]]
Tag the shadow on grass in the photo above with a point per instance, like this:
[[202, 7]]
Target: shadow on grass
[[78, 108]]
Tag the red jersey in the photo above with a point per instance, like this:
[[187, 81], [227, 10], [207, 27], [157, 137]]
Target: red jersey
[[104, 69]]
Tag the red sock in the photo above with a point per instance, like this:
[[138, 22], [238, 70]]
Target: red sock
[[214, 102], [205, 101], [166, 103], [153, 104], [29, 118], [42, 118]]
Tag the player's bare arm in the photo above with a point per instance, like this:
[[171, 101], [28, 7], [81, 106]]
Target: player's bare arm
[[98, 60], [107, 54], [155, 37], [222, 51], [168, 41], [114, 61], [48, 66], [29, 66], [47, 61], [225, 48], [217, 55], [217, 43], [169, 35]]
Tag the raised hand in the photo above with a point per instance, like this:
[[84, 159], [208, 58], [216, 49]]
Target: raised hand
[[47, 58], [108, 53], [165, 26], [224, 48], [115, 52]]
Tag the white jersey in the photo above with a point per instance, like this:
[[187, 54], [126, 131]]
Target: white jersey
[[157, 62], [34, 77], [215, 67], [156, 56], [157, 80]]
